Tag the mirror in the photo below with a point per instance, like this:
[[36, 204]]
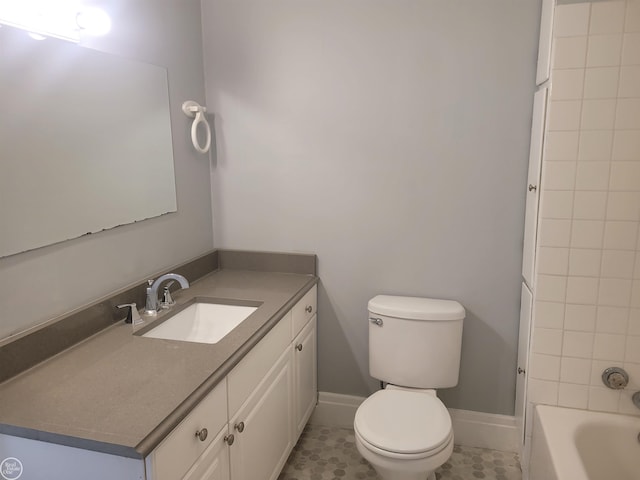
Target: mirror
[[85, 142]]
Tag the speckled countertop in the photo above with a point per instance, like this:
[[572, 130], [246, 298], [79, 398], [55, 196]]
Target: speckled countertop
[[122, 394]]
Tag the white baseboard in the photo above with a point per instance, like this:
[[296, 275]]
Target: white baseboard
[[470, 429], [335, 409], [485, 430]]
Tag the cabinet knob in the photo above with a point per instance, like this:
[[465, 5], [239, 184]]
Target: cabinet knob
[[229, 439], [308, 309], [202, 434], [533, 188], [239, 427], [299, 347]]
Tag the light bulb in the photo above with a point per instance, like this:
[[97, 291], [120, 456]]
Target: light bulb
[[94, 21]]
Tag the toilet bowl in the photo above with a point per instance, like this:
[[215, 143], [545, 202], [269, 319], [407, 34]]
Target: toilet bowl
[[404, 433]]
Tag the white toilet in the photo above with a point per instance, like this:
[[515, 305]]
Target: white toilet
[[405, 431]]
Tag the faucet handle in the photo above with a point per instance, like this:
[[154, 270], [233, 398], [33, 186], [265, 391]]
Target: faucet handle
[[167, 301], [133, 316]]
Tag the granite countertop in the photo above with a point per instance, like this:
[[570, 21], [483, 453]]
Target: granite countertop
[[120, 393]]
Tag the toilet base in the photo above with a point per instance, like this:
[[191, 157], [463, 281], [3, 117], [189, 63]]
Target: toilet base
[[405, 469]]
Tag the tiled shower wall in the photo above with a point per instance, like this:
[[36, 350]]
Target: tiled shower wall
[[587, 308]]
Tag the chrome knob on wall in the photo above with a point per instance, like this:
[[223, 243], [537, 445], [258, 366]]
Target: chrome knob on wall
[[615, 378]]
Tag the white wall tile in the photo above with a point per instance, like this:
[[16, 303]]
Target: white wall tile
[[564, 115], [567, 84], [603, 399], [556, 204], [571, 20], [543, 391], [623, 206], [612, 320], [629, 81], [554, 261], [625, 176], [626, 406], [577, 344], [586, 234], [575, 370], [599, 366], [559, 175], [608, 346], [579, 318], [632, 349], [584, 262], [618, 263], [604, 50], [628, 114], [545, 367], [607, 17], [601, 82], [595, 146], [631, 49], [573, 396], [561, 145], [626, 145], [549, 314], [547, 341], [598, 114], [620, 235], [635, 294], [592, 175], [583, 290], [590, 205], [614, 292], [569, 52], [551, 288], [632, 19], [555, 233]]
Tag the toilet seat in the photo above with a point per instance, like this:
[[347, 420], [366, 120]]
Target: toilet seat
[[400, 423]]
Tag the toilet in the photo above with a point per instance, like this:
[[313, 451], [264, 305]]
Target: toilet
[[405, 431]]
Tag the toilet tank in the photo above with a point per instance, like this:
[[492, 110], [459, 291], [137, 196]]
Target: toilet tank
[[415, 342]]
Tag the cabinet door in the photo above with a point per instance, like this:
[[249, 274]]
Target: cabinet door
[[305, 375], [263, 426], [526, 305], [213, 464], [533, 185]]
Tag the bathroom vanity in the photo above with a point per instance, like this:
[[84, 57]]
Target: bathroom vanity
[[120, 405]]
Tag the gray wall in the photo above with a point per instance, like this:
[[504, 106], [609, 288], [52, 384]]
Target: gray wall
[[50, 281], [390, 138]]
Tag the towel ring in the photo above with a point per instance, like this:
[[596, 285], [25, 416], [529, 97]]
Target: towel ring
[[196, 111]]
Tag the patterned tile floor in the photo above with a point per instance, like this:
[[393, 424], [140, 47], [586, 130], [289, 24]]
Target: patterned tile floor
[[329, 453]]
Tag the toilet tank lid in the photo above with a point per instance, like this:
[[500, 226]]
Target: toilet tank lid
[[416, 308]]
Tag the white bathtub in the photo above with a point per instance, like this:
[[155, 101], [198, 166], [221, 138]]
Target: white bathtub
[[573, 444]]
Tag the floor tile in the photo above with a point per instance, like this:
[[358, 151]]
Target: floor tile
[[329, 453]]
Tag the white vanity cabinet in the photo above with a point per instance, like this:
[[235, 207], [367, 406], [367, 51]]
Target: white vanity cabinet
[[255, 415], [305, 382]]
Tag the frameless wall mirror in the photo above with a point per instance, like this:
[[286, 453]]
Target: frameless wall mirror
[[85, 142]]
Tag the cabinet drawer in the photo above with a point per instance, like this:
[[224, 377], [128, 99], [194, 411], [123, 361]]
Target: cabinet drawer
[[179, 451], [304, 310], [246, 376]]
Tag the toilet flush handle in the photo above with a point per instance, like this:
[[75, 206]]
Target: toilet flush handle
[[377, 321]]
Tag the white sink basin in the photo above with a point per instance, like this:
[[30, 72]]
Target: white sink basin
[[202, 323]]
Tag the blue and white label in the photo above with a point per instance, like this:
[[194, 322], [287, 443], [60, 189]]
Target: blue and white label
[[11, 468]]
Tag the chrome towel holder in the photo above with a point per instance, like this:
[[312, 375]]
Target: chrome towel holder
[[196, 111]]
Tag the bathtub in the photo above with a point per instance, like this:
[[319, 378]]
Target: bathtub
[[573, 444]]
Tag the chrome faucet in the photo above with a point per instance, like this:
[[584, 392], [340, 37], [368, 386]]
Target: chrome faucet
[[151, 307]]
